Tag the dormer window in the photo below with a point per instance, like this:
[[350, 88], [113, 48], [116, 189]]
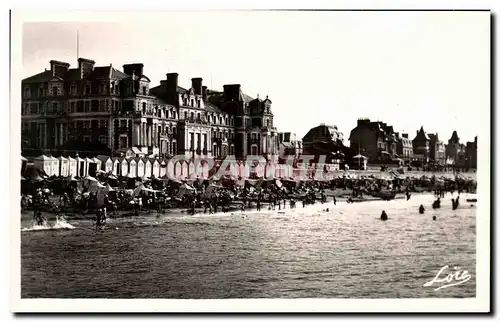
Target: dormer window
[[72, 89], [88, 89], [144, 90]]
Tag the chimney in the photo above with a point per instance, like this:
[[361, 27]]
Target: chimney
[[204, 92], [131, 69], [86, 66], [196, 85], [232, 92], [171, 88], [58, 68]]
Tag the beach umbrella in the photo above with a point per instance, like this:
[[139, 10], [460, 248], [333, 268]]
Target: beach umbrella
[[359, 156]]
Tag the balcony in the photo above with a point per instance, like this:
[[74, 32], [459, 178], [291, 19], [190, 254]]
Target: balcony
[[196, 121]]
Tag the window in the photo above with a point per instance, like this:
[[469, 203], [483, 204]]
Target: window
[[192, 116], [198, 103], [72, 107], [79, 107], [72, 89], [102, 108], [41, 91], [88, 90], [103, 124], [27, 92], [144, 90], [116, 89], [102, 139], [267, 122], [106, 105], [143, 107], [87, 106], [95, 106], [254, 150], [53, 91], [86, 124], [192, 102]]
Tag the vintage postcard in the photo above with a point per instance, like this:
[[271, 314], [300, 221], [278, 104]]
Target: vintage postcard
[[250, 161]]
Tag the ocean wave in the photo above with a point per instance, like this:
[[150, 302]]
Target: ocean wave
[[60, 224]]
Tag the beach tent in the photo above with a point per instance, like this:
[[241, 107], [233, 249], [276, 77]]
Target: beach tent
[[185, 189], [140, 167], [142, 188], [132, 167], [44, 163], [63, 166], [72, 167], [177, 170], [148, 168], [185, 170], [156, 168]]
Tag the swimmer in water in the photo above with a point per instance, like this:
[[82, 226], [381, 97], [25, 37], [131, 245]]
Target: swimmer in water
[[383, 216], [433, 217]]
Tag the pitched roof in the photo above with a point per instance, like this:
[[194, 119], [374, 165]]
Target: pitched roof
[[39, 78], [73, 74]]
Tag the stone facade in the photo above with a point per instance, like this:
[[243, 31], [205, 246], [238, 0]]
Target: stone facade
[[116, 110]]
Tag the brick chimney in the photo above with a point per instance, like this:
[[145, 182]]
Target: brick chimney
[[204, 92], [130, 69], [58, 68], [232, 92], [197, 85], [171, 88]]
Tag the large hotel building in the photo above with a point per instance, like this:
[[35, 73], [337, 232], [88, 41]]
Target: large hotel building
[[119, 109]]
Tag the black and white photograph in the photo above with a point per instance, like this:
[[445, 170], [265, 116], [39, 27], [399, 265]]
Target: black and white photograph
[[298, 155]]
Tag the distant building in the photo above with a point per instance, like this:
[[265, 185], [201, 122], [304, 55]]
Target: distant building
[[437, 151], [375, 140], [404, 147], [456, 151], [421, 146], [289, 145], [324, 140], [471, 154]]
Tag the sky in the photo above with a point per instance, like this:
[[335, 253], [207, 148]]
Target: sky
[[408, 69]]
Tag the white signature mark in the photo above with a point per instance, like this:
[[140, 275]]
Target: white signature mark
[[454, 278]]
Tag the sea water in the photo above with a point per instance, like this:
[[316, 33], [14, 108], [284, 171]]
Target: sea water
[[345, 252]]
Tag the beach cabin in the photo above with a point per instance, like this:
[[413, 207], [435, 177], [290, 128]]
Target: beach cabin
[[185, 170], [148, 168], [63, 166], [44, 163], [81, 167], [156, 168], [24, 164], [55, 166], [191, 170], [163, 168], [98, 164], [123, 167], [132, 168], [91, 167], [72, 167], [140, 167], [177, 173], [106, 163], [129, 154], [116, 166]]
